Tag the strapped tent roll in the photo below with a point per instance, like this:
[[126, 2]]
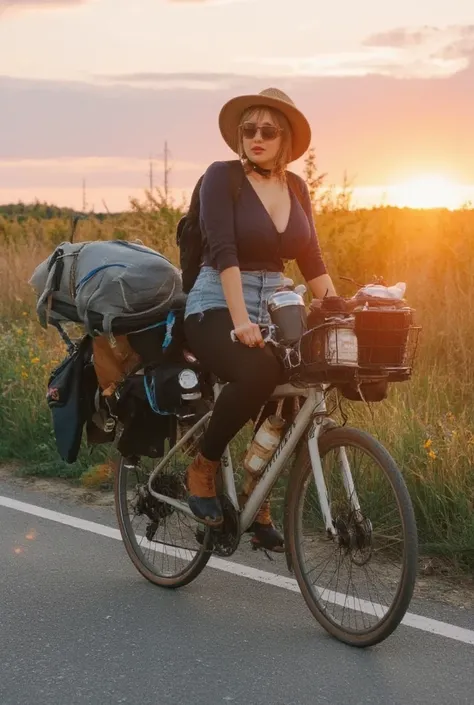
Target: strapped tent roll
[[110, 286]]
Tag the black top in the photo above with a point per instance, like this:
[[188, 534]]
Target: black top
[[248, 238]]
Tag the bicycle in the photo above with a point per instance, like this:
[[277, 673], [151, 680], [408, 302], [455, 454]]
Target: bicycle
[[335, 507]]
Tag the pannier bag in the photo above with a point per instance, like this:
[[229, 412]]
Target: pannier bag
[[110, 286], [71, 387], [113, 363], [149, 404]]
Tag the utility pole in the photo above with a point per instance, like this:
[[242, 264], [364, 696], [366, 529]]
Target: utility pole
[[150, 175], [84, 201], [167, 170]]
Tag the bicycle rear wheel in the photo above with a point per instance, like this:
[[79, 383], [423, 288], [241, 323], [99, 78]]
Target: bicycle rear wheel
[[359, 585], [161, 540]]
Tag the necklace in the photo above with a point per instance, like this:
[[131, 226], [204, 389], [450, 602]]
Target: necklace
[[266, 173]]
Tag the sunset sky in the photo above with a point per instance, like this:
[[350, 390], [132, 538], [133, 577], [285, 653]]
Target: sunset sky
[[90, 88]]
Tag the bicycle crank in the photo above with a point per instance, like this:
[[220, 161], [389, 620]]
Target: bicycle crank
[[226, 538]]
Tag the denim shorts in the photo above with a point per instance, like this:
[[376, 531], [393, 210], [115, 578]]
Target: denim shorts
[[207, 293]]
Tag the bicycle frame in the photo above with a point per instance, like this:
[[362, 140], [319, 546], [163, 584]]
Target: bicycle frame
[[312, 417]]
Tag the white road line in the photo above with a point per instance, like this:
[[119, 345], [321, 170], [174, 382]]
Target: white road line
[[433, 626]]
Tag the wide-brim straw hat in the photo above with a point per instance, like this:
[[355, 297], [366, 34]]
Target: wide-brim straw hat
[[231, 113]]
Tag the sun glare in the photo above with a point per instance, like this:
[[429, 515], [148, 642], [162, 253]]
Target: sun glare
[[427, 191]]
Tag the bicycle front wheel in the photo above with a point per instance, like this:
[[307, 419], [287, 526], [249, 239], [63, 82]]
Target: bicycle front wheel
[[358, 584]]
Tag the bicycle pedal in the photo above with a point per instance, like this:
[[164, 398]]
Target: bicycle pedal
[[259, 547]]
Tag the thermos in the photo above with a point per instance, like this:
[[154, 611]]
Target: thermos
[[264, 444]]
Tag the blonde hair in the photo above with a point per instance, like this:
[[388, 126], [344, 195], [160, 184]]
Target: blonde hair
[[283, 156]]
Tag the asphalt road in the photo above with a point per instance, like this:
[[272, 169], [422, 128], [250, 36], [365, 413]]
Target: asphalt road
[[79, 625]]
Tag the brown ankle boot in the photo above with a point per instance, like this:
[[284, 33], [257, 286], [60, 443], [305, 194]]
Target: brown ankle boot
[[201, 484], [265, 535]]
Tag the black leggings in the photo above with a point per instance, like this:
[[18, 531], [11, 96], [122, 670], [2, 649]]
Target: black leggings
[[252, 373]]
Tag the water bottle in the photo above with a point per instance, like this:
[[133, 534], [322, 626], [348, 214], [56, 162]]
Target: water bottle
[[264, 444]]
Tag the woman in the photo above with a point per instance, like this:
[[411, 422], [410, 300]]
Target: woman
[[246, 241]]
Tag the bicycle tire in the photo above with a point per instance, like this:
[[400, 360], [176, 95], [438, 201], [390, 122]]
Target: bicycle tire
[[330, 440], [148, 570]]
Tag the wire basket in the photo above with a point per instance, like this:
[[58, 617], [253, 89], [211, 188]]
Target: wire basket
[[387, 338], [329, 352], [370, 344]]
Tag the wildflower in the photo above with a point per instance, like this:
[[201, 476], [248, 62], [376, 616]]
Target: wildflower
[[432, 455], [24, 374], [34, 360], [428, 444], [98, 475]]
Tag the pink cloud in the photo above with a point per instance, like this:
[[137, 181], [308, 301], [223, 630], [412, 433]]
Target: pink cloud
[[409, 53], [12, 5], [447, 44], [402, 37], [20, 3], [369, 125]]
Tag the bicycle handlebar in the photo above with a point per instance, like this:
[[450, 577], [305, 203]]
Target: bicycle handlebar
[[267, 331]]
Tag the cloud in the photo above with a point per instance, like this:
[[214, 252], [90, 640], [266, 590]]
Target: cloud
[[401, 37], [462, 47], [90, 165], [189, 81], [206, 2], [368, 125], [18, 4], [426, 52], [447, 45], [7, 7], [110, 171], [375, 61]]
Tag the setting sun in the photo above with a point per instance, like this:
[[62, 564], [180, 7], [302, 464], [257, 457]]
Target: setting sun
[[427, 191]]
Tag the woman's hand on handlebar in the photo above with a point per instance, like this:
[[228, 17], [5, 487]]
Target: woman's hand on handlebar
[[249, 334]]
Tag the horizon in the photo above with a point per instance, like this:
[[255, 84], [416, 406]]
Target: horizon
[[93, 203], [388, 95]]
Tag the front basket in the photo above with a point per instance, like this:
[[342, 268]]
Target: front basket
[[370, 344]]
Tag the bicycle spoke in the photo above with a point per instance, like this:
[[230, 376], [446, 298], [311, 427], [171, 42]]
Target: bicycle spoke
[[162, 537], [355, 579]]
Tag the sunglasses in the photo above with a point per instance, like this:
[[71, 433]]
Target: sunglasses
[[267, 132]]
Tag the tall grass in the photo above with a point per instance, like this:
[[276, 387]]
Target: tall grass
[[427, 424]]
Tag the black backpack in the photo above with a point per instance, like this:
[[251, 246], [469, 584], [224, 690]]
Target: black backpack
[[188, 233]]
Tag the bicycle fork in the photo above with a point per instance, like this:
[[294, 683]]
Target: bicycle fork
[[317, 426]]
